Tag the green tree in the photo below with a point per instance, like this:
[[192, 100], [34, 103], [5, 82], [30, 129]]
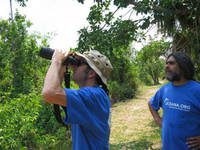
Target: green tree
[[22, 2], [112, 37], [149, 61], [26, 123], [105, 32], [19, 57], [179, 19]]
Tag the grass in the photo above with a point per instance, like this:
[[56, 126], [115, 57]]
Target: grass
[[132, 126]]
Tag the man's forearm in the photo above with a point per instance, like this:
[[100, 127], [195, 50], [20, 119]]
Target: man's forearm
[[53, 79], [52, 90], [155, 115]]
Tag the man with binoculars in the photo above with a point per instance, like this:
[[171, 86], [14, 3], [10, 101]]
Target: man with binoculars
[[88, 108]]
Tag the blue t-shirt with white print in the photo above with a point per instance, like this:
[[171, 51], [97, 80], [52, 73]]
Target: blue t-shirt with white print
[[181, 113], [88, 112]]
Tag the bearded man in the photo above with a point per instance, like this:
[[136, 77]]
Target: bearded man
[[180, 102]]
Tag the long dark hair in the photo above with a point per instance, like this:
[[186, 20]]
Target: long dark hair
[[185, 64], [102, 85]]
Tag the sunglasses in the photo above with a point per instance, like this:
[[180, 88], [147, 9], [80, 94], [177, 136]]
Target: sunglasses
[[72, 60]]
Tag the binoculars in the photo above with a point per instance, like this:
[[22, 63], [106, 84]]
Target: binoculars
[[47, 53]]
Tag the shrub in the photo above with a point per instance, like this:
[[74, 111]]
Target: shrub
[[27, 124], [121, 91]]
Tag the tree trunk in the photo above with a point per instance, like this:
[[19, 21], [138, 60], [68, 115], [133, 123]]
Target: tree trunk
[[11, 11]]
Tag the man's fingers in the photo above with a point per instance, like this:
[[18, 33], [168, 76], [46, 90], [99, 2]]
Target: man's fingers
[[193, 138], [66, 53], [194, 145], [192, 141], [60, 54]]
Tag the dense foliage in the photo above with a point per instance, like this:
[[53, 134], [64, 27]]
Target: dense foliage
[[150, 61], [25, 121], [19, 52], [179, 19], [113, 37]]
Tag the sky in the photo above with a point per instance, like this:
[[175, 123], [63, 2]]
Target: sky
[[62, 17]]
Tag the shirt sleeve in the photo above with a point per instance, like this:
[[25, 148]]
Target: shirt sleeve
[[156, 100], [79, 110], [196, 93]]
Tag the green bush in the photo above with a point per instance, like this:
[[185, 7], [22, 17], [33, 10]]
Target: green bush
[[121, 91], [17, 118], [125, 88], [27, 124], [145, 78]]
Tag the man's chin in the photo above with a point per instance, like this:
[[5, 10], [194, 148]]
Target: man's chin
[[169, 78], [173, 78]]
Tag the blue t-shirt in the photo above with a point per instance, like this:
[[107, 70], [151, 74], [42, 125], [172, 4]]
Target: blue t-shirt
[[181, 113], [88, 112]]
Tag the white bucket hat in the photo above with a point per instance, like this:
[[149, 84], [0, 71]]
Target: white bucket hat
[[99, 63]]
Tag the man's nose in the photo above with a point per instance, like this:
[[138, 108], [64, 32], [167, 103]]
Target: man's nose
[[167, 66]]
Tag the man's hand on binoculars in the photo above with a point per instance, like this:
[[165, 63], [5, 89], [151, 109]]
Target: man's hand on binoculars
[[60, 55]]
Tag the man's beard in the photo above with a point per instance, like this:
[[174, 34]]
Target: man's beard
[[173, 76], [80, 78]]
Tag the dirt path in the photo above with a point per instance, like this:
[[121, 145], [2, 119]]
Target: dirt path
[[132, 124]]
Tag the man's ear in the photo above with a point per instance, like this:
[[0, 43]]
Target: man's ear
[[92, 74]]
